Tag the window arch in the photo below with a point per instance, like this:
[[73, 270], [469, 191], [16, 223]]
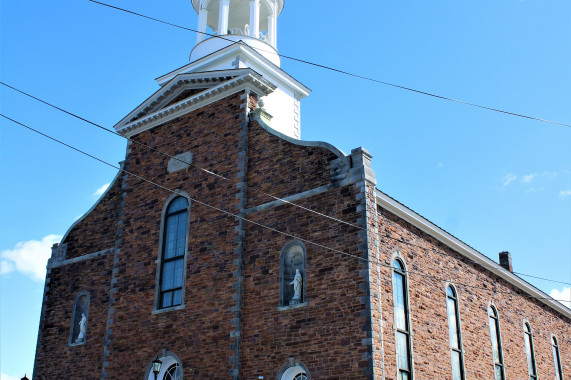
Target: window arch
[[528, 340], [495, 336], [80, 313], [173, 248], [454, 333], [292, 267], [402, 321], [171, 368], [556, 358], [296, 372]]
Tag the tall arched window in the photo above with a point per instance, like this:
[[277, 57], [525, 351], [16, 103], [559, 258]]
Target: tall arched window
[[402, 325], [556, 358], [528, 339], [78, 333], [496, 343], [454, 333], [292, 274], [173, 252]]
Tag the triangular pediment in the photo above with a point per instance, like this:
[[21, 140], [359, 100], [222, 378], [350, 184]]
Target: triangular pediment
[[186, 91]]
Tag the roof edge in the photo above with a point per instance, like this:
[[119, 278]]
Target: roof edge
[[464, 249]]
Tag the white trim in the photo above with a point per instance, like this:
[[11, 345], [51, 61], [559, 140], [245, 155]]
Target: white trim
[[249, 81], [444, 237], [254, 59]]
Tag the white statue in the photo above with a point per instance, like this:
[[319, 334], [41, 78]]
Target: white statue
[[297, 284], [82, 328]]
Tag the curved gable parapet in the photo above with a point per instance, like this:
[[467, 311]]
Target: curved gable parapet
[[254, 115], [95, 230], [286, 167]]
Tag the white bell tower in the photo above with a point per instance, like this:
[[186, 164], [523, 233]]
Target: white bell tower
[[253, 22], [242, 34]]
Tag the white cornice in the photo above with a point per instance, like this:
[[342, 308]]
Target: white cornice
[[248, 80], [444, 237], [255, 59]]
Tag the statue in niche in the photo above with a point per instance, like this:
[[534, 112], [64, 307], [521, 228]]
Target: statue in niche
[[297, 285], [82, 328]]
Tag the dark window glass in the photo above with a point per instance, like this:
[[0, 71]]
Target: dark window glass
[[496, 343], [454, 334], [174, 245], [403, 344], [528, 340], [300, 376], [173, 373], [556, 359]]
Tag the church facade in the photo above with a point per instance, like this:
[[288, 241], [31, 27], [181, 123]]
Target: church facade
[[226, 247]]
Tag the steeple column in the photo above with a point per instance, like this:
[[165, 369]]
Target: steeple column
[[223, 17], [272, 30], [255, 18], [202, 17]]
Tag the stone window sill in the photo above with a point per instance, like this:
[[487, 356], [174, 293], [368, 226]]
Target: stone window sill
[[77, 344], [167, 309], [290, 307]]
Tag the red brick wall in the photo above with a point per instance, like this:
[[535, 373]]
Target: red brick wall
[[55, 359], [429, 317], [96, 232]]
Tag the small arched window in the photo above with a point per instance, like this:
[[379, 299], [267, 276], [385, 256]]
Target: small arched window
[[496, 343], [296, 372], [528, 339], [292, 274], [556, 358], [173, 253], [78, 334], [171, 369], [402, 325], [454, 333]]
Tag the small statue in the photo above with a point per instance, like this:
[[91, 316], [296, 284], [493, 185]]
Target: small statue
[[297, 284], [82, 328]]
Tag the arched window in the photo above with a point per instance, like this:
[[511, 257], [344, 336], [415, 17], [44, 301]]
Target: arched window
[[528, 339], [292, 274], [402, 325], [173, 253], [79, 316], [296, 372], [455, 334], [496, 343], [556, 358], [171, 369]]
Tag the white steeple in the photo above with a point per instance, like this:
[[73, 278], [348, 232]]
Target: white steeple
[[253, 22], [242, 34]]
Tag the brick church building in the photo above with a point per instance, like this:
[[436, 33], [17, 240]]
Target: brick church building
[[228, 248]]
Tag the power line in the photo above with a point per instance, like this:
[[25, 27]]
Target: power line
[[253, 188], [370, 79], [434, 278]]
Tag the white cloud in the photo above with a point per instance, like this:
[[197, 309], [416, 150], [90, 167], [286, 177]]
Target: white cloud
[[528, 178], [509, 178], [3, 376], [563, 296], [564, 194], [28, 257], [99, 192]]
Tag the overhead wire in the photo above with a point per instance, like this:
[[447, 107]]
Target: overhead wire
[[434, 278], [339, 71], [210, 172]]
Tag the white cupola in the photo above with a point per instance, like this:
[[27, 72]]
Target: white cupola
[[236, 50], [253, 22]]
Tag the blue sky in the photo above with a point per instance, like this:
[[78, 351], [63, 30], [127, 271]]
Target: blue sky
[[497, 182]]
